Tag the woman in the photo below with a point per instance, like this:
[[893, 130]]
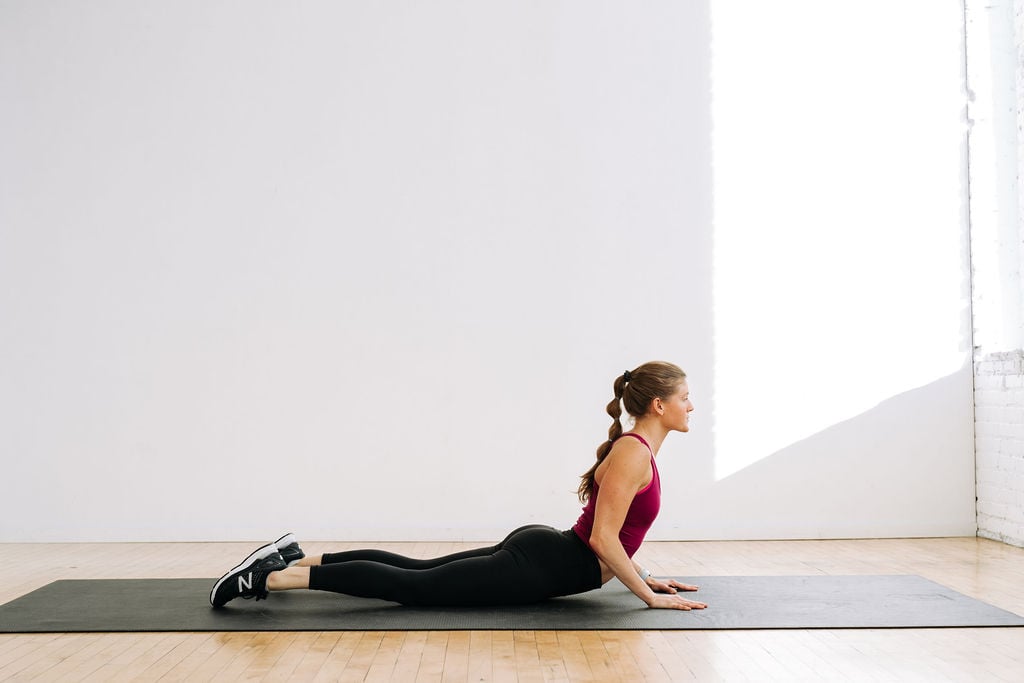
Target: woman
[[622, 496]]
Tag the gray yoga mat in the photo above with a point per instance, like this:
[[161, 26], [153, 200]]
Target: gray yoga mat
[[735, 602]]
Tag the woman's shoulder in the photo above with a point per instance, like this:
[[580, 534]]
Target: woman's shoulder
[[634, 437], [628, 458]]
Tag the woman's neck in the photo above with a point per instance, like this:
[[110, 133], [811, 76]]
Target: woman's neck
[[652, 431]]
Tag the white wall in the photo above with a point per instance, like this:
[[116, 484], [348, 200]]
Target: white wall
[[367, 271], [995, 62]]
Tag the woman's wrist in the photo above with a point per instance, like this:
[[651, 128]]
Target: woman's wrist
[[644, 574]]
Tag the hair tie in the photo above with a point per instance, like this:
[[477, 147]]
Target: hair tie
[[627, 375]]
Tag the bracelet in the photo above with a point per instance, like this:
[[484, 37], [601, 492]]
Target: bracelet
[[644, 574]]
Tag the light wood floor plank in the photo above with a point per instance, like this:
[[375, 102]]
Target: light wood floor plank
[[363, 652], [21, 647], [574, 656], [285, 666], [480, 656], [456, 657], [58, 658], [180, 650], [527, 657], [34, 652], [620, 656], [550, 656], [386, 657], [333, 665], [431, 667], [503, 656], [659, 660], [268, 657], [408, 663], [314, 657], [185, 669], [208, 667]]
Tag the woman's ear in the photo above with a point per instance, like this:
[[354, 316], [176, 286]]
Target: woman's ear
[[657, 406]]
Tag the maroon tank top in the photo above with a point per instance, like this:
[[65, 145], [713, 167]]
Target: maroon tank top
[[640, 516]]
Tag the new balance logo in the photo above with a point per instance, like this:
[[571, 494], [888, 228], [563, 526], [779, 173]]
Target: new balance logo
[[245, 583]]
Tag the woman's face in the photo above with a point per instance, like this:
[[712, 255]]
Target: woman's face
[[677, 408]]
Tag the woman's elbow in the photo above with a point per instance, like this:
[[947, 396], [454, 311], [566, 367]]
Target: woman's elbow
[[602, 544]]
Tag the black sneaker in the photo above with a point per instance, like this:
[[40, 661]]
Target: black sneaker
[[249, 579], [289, 548]]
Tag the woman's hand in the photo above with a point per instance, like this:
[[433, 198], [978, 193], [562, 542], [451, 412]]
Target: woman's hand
[[674, 602], [669, 598], [670, 586]]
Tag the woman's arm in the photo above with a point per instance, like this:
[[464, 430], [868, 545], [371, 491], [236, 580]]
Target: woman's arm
[[627, 472]]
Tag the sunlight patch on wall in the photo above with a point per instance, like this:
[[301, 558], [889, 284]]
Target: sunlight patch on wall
[[840, 271]]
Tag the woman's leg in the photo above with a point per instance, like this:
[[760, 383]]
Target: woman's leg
[[297, 576], [403, 562], [466, 581], [528, 566], [293, 577], [374, 561]]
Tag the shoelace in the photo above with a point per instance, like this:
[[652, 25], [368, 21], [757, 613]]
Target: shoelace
[[258, 595]]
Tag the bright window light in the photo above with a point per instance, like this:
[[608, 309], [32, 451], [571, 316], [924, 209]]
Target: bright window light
[[840, 269]]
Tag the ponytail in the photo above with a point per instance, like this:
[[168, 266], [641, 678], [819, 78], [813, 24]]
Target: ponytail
[[614, 410]]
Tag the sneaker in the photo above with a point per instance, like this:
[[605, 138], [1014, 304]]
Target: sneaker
[[249, 579], [289, 548]]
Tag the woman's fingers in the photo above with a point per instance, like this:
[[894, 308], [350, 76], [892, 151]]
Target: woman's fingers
[[671, 586], [683, 586], [676, 602]]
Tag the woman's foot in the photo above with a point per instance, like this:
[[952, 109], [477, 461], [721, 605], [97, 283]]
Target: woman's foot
[[289, 548], [249, 579]]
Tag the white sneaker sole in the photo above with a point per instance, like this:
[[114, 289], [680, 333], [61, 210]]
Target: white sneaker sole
[[285, 541], [257, 555]]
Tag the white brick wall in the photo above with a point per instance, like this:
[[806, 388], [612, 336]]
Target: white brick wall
[[999, 445]]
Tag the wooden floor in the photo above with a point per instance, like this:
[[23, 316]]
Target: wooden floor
[[980, 568]]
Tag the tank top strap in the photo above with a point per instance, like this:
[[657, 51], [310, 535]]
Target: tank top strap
[[641, 440]]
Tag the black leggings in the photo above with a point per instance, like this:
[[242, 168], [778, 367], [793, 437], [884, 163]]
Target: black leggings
[[533, 563]]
